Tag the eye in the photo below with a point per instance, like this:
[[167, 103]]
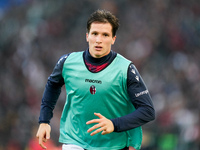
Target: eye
[[105, 34], [94, 33]]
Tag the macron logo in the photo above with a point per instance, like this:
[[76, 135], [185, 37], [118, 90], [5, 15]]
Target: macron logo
[[93, 81]]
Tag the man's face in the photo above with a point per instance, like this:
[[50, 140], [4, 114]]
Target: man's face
[[100, 39]]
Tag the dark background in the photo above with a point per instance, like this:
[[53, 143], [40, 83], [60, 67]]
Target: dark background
[[161, 37]]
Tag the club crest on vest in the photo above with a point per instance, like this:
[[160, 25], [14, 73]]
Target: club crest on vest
[[92, 89]]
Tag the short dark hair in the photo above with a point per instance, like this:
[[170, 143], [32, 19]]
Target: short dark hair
[[103, 16]]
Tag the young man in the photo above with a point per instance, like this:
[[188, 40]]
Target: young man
[[107, 100]]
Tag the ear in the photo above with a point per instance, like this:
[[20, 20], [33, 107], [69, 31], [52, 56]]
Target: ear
[[113, 40], [87, 37]]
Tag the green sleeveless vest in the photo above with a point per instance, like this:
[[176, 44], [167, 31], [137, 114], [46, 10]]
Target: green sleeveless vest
[[104, 92]]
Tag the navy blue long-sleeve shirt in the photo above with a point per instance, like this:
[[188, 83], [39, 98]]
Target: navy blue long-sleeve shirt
[[137, 91]]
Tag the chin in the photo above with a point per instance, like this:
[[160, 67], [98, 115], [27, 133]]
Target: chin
[[98, 55]]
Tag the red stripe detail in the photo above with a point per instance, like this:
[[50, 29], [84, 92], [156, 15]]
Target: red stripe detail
[[97, 68]]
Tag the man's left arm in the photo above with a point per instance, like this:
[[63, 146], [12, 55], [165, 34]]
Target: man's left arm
[[141, 100]]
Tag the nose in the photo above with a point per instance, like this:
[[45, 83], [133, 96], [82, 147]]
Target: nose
[[99, 39]]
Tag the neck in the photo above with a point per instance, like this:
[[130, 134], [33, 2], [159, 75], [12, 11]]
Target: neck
[[94, 60]]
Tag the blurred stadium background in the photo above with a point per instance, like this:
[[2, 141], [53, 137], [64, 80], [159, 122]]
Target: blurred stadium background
[[162, 38]]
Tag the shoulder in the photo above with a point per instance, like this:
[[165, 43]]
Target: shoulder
[[122, 61], [133, 70], [121, 57], [63, 58], [74, 56], [134, 75]]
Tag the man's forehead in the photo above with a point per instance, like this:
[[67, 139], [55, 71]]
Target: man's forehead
[[98, 26]]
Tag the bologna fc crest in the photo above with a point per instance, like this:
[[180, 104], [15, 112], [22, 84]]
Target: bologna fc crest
[[92, 89]]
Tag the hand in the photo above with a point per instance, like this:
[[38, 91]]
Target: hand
[[131, 148], [104, 125], [43, 134]]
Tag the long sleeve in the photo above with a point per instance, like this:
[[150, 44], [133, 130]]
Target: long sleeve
[[52, 92], [140, 98]]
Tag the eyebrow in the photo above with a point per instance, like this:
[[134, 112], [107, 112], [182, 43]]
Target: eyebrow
[[101, 33]]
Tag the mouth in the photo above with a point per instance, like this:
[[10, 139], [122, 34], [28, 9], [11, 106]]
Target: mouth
[[98, 47]]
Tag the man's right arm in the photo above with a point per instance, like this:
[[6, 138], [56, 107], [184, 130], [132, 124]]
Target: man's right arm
[[52, 92], [50, 97]]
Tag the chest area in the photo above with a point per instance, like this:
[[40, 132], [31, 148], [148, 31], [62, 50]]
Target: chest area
[[78, 78]]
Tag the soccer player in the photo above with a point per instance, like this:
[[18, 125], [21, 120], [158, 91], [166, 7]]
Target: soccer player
[[107, 101]]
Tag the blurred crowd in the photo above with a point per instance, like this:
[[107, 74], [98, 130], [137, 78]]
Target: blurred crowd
[[161, 37]]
